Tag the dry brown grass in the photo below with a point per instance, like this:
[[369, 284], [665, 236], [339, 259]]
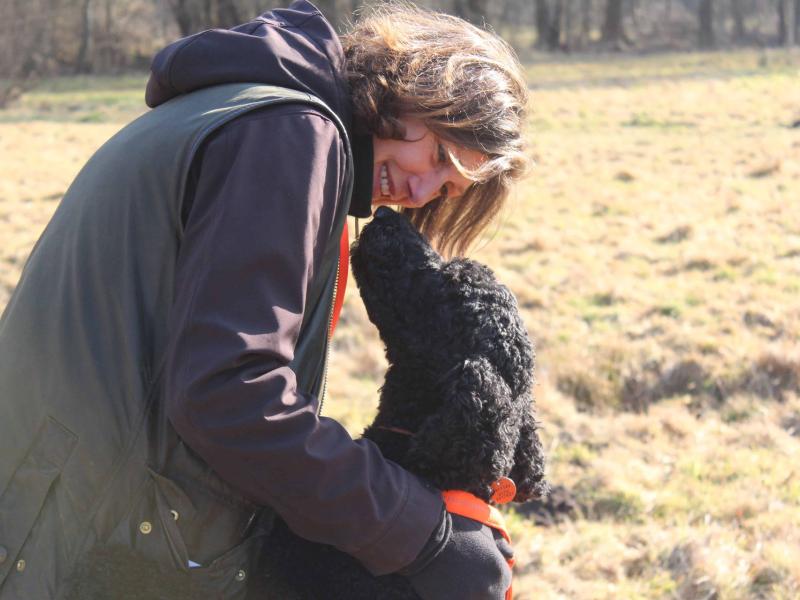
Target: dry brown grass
[[655, 253]]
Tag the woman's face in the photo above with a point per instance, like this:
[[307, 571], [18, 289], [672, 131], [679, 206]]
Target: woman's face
[[412, 172]]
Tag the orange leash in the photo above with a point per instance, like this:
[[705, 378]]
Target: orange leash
[[341, 277], [470, 506]]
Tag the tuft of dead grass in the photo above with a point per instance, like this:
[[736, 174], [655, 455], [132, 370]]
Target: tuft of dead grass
[[679, 234], [773, 376]]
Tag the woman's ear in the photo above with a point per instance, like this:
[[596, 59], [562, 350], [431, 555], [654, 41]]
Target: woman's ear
[[470, 440], [528, 471]]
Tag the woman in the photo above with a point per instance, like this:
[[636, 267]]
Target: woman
[[162, 359]]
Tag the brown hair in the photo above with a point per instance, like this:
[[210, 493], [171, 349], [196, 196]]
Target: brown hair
[[464, 83]]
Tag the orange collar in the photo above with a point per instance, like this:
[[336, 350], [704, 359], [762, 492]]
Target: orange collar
[[470, 506]]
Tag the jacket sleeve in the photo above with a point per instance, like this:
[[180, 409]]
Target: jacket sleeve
[[261, 212]]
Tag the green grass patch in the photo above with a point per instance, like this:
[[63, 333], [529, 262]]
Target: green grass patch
[[604, 504], [646, 120], [627, 70], [84, 99]]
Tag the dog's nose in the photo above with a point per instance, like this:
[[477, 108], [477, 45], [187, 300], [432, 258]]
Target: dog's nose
[[383, 211]]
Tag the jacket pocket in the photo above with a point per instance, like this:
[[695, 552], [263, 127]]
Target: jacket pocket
[[149, 540], [22, 500]]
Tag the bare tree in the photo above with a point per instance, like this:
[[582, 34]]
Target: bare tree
[[194, 15], [25, 45], [705, 14], [787, 23], [228, 13], [182, 10], [556, 25], [340, 12], [473, 11], [104, 38], [586, 22], [83, 63], [737, 12], [613, 30], [796, 20], [576, 24], [542, 17], [549, 22]]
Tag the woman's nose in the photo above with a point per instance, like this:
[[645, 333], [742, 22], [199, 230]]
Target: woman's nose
[[426, 187]]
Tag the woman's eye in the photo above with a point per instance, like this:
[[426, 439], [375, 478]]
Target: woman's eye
[[442, 154]]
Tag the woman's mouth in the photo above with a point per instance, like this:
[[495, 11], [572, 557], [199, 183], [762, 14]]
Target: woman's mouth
[[386, 184]]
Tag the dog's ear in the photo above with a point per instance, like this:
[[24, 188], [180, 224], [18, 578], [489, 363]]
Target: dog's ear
[[528, 471], [471, 439]]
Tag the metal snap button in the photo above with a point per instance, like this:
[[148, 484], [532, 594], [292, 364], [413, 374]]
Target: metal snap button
[[241, 575], [21, 565], [145, 527], [174, 514]]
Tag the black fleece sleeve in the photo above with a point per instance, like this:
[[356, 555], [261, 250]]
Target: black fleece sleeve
[[261, 214]]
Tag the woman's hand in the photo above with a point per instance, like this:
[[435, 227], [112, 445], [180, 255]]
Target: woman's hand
[[472, 565]]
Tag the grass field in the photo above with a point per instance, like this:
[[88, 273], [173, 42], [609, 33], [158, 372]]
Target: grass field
[[655, 252]]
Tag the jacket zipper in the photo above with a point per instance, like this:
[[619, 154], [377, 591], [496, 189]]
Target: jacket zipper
[[328, 338]]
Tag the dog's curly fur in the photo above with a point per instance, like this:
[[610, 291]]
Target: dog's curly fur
[[460, 377]]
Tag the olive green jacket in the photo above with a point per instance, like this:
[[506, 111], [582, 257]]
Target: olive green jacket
[[86, 449]]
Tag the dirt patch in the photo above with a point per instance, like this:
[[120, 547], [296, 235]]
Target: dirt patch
[[559, 506]]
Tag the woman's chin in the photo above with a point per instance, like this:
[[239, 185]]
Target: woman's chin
[[380, 201], [376, 202]]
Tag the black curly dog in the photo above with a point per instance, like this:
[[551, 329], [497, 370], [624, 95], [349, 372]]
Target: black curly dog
[[459, 377]]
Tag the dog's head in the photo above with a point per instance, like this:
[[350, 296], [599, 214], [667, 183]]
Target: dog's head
[[460, 359], [436, 313]]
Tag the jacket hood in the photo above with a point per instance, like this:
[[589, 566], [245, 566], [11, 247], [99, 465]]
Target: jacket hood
[[291, 47]]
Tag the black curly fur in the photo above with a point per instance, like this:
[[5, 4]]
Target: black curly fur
[[460, 377]]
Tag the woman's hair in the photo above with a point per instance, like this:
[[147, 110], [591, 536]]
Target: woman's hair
[[464, 83]]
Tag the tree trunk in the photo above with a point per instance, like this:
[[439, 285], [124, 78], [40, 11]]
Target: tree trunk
[[786, 22], [329, 9], [586, 22], [182, 11], [737, 11], [634, 20], [613, 33], [796, 21], [549, 24], [209, 14], [542, 23], [24, 47], [227, 14], [554, 33], [566, 26], [82, 62], [706, 21], [781, 21], [104, 40], [109, 14], [473, 11]]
